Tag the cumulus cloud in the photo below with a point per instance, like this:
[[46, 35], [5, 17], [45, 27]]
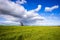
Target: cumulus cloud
[[9, 23], [9, 17], [38, 8], [21, 1], [47, 22], [14, 12], [49, 9]]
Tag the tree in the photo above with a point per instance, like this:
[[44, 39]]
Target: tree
[[21, 23]]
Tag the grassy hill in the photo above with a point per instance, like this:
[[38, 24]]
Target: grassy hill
[[29, 33]]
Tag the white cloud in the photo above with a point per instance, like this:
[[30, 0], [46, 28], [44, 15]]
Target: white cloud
[[38, 8], [21, 2], [49, 9], [9, 23], [8, 17], [15, 12], [47, 22]]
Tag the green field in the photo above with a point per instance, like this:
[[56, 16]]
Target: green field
[[29, 33]]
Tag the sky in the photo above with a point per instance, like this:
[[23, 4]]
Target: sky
[[30, 12]]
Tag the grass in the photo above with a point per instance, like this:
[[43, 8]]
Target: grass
[[29, 33]]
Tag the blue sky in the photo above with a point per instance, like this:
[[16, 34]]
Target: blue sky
[[32, 4], [50, 9]]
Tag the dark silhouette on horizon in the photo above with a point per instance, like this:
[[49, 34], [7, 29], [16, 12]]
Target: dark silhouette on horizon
[[21, 23]]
